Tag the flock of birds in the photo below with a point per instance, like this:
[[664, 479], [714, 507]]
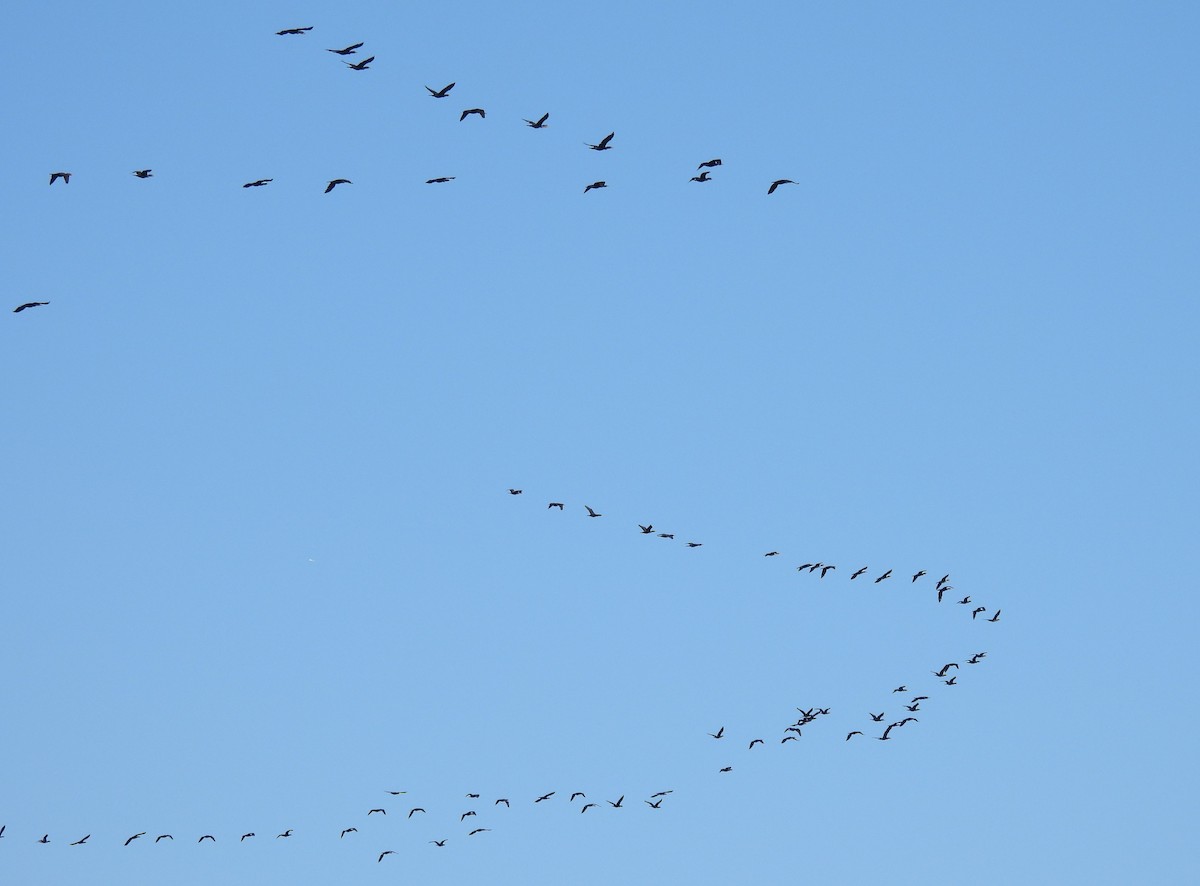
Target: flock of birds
[[791, 732], [605, 144]]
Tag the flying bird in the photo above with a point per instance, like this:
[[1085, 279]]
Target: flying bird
[[373, 811], [349, 50], [29, 304], [887, 574], [382, 854], [952, 681], [396, 793], [852, 734], [709, 164], [577, 794], [919, 574], [297, 31], [720, 732], [164, 837], [754, 742], [592, 513], [286, 833], [878, 718], [825, 569], [777, 183], [995, 617], [666, 535], [857, 574], [661, 794], [541, 122], [586, 807], [444, 178], [347, 830], [545, 797], [945, 578], [206, 837], [477, 831], [465, 814], [900, 689], [503, 800], [595, 185], [789, 738], [914, 707], [143, 173], [884, 737], [617, 805], [46, 839], [244, 836], [472, 796], [134, 837], [920, 698], [702, 177], [646, 530], [771, 554], [416, 809], [656, 805], [359, 66], [977, 610], [441, 93], [337, 181], [465, 114], [81, 841], [438, 842], [945, 669], [555, 504], [65, 176], [727, 769], [258, 184], [604, 143], [964, 601], [695, 544]]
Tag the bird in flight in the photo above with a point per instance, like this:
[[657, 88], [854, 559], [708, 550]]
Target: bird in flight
[[296, 31], [349, 50], [952, 681], [577, 794], [941, 592], [995, 617], [472, 796], [914, 707], [945, 669], [592, 513], [46, 839], [965, 601], [382, 854], [465, 814], [81, 841], [920, 698], [477, 831], [852, 734], [771, 554], [604, 143], [515, 491], [258, 184], [789, 738], [244, 836], [977, 610], [727, 769], [777, 183], [595, 185], [884, 737], [286, 833], [545, 797], [348, 830], [753, 743], [415, 809], [900, 689], [435, 181], [720, 732], [661, 794], [541, 122], [373, 811], [143, 173], [655, 805], [858, 573], [695, 544], [465, 114], [359, 66], [65, 176], [134, 837], [555, 504], [441, 93], [878, 718], [919, 574], [646, 530], [666, 535], [943, 580], [164, 837], [337, 181], [709, 164], [206, 837], [887, 574], [702, 177], [586, 807], [503, 800], [438, 842], [396, 793], [825, 569], [617, 805], [29, 304]]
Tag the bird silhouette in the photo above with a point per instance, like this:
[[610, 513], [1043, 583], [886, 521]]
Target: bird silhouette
[[577, 794], [373, 811], [436, 181], [666, 535], [977, 610], [65, 176], [594, 185], [467, 113], [900, 689], [382, 854], [771, 554], [359, 66], [720, 732], [777, 183], [695, 544], [46, 839], [29, 304], [887, 574], [337, 181], [416, 809], [919, 574], [134, 837], [952, 681], [545, 797], [465, 814], [586, 807], [541, 122], [396, 793], [655, 805], [296, 31], [852, 734], [884, 737], [661, 794], [617, 805], [646, 530], [825, 569], [878, 718], [80, 841], [555, 504], [702, 177], [592, 513], [164, 837], [503, 800], [754, 742], [604, 143], [709, 164], [858, 573], [995, 617], [286, 833], [349, 50], [945, 669], [964, 601], [920, 698], [727, 769], [438, 842], [143, 173], [477, 831], [244, 836], [441, 93], [258, 184], [914, 707], [206, 837], [472, 796], [789, 738], [347, 830]]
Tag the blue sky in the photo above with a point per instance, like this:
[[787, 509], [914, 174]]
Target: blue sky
[[260, 562]]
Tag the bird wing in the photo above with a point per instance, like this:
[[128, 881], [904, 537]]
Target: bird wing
[[604, 141], [543, 119]]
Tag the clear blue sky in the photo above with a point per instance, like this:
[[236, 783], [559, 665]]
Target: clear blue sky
[[260, 564]]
